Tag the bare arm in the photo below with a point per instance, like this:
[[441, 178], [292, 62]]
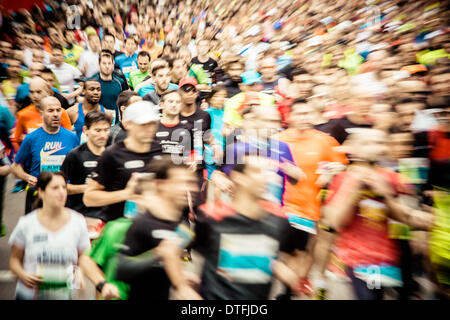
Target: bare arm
[[339, 212], [76, 188], [171, 256], [91, 269], [16, 266], [5, 170], [95, 196], [75, 93], [143, 84], [96, 275], [72, 112], [283, 273], [18, 171]]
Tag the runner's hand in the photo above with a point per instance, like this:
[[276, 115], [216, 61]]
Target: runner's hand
[[222, 182], [421, 219], [32, 181], [292, 171], [110, 291], [204, 105], [132, 184], [31, 280], [378, 184]]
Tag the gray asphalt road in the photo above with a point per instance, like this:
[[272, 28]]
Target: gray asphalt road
[[12, 211]]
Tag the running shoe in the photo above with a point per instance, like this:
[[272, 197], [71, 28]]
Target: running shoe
[[18, 187]]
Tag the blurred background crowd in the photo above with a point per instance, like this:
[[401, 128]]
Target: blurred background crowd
[[382, 65]]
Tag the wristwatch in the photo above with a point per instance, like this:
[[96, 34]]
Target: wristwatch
[[100, 286]]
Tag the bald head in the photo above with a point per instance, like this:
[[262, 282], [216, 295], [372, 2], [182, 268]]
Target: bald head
[[51, 112], [39, 89], [49, 101]]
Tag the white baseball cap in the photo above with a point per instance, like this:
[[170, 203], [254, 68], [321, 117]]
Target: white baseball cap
[[141, 112]]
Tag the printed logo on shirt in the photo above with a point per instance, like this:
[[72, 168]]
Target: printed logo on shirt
[[162, 134], [164, 234], [50, 162], [90, 164], [183, 121], [50, 148], [135, 164], [40, 238]]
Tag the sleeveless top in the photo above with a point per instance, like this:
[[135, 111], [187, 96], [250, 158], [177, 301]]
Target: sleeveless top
[[78, 125]]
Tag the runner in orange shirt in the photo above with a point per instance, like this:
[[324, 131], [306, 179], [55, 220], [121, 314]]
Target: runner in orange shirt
[[29, 118], [309, 148]]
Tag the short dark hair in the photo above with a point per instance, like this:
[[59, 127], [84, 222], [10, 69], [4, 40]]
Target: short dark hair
[[144, 54], [108, 34], [46, 70], [57, 46], [300, 100], [105, 53], [403, 100], [161, 166], [90, 80], [162, 65], [44, 178], [297, 71], [130, 38], [95, 116], [163, 96], [124, 98], [215, 89]]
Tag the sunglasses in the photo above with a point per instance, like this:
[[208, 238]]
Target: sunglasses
[[188, 89]]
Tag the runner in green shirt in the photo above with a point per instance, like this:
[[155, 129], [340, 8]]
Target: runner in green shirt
[[138, 76]]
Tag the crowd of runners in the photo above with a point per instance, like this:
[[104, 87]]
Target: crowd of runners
[[265, 138]]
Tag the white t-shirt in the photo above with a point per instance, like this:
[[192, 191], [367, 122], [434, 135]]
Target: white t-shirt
[[66, 75], [50, 254], [90, 59]]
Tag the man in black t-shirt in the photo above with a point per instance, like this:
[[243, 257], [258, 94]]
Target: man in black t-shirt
[[172, 136], [244, 244], [361, 101], [233, 66], [207, 63], [203, 59], [198, 122], [156, 234], [82, 161], [113, 183]]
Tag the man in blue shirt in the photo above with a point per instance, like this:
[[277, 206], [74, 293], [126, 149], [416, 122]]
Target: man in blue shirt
[[127, 62], [111, 85], [44, 149], [161, 76]]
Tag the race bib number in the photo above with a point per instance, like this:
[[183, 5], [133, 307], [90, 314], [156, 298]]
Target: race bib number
[[52, 163], [172, 149], [56, 281], [373, 210]]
